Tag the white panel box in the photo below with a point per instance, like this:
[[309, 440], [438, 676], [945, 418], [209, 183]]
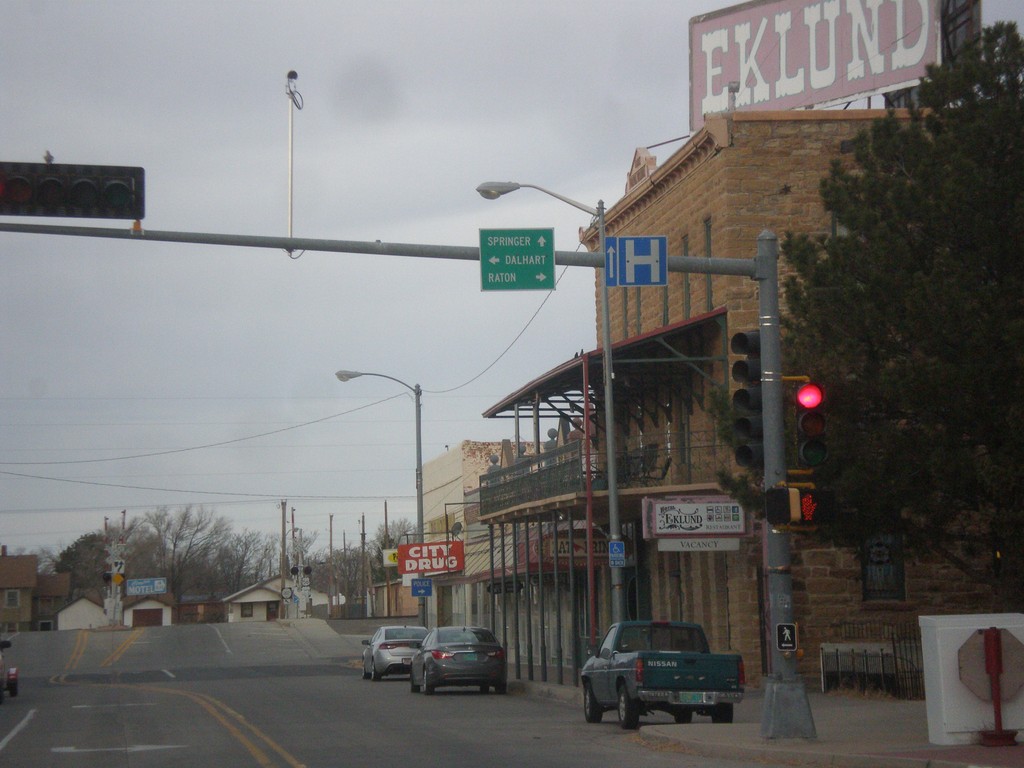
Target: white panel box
[[955, 714]]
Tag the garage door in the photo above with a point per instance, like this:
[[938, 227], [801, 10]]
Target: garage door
[[148, 617]]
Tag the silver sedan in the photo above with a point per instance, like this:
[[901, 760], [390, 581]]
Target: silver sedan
[[390, 651]]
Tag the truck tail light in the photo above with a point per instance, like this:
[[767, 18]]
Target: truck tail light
[[743, 673], [638, 670]]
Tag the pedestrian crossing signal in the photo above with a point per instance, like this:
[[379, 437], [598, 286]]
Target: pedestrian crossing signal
[[798, 506], [785, 637]]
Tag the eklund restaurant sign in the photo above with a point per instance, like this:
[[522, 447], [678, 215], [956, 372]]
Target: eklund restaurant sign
[[787, 54], [686, 517]]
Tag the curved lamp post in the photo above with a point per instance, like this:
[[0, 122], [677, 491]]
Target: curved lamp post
[[417, 393], [492, 190]]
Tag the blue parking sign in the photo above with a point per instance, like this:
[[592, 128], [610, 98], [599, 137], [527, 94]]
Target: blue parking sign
[[617, 554]]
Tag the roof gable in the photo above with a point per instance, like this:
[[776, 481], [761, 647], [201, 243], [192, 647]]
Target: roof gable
[[19, 571]]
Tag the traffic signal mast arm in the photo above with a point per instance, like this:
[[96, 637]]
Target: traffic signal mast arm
[[712, 266], [786, 712]]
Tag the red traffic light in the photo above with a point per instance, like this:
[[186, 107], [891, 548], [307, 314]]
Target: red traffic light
[[810, 425], [62, 190], [810, 396]]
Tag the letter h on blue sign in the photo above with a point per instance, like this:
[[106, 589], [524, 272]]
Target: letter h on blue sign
[[636, 261]]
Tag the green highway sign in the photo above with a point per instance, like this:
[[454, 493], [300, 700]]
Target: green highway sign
[[517, 259]]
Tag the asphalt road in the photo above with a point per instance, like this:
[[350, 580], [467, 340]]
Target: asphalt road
[[243, 695]]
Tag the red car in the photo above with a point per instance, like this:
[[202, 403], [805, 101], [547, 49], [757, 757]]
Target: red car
[[8, 675]]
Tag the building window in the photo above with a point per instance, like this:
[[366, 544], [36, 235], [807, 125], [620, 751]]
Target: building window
[[246, 610], [12, 598], [883, 568]]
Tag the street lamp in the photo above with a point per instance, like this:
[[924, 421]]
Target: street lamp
[[417, 393], [492, 190]]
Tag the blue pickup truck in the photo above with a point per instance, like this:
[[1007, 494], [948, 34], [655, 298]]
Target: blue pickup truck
[[647, 666]]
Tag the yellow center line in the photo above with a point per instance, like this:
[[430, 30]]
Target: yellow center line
[[81, 641], [124, 646], [244, 732], [233, 722]]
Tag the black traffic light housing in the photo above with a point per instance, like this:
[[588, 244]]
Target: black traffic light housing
[[810, 425], [749, 426], [77, 191]]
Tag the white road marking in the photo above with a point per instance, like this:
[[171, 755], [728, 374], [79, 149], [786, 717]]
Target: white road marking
[[222, 640], [24, 721]]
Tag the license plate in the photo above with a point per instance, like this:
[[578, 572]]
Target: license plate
[[467, 656], [691, 698]]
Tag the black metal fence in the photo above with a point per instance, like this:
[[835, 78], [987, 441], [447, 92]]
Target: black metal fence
[[875, 656], [535, 478]]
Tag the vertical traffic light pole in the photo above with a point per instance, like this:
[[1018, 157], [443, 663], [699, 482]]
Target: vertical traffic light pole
[[786, 712]]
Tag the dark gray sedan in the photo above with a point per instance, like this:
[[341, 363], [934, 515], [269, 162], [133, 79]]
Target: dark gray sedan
[[459, 656], [390, 650]]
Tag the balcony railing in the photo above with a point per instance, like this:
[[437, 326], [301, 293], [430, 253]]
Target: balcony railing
[[534, 478], [563, 471]]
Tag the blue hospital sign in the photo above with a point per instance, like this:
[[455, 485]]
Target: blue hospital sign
[[636, 261]]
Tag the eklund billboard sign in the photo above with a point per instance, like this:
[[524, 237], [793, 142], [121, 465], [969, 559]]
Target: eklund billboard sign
[[787, 54]]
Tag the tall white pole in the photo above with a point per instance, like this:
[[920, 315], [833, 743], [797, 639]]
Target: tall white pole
[[294, 101]]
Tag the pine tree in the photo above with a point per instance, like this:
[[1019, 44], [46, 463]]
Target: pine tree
[[913, 314]]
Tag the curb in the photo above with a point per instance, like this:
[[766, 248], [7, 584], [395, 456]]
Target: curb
[[816, 753]]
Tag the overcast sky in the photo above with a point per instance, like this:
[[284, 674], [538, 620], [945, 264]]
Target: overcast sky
[[140, 375]]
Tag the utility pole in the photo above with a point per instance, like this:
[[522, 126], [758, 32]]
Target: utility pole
[[362, 568], [387, 573], [331, 591], [284, 555]]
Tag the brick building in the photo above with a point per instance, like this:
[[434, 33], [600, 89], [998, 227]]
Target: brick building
[[740, 174], [30, 599]]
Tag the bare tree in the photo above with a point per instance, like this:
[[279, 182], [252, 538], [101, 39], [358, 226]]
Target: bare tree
[[245, 558], [398, 532], [186, 542]]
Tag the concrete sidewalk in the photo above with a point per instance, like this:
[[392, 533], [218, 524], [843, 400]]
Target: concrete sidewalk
[[853, 731]]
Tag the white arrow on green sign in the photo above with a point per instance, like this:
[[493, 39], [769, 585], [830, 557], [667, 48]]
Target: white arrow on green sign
[[517, 259]]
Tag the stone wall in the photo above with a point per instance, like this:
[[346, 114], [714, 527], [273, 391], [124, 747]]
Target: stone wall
[[740, 175]]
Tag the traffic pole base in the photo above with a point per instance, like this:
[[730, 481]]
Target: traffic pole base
[[787, 712]]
